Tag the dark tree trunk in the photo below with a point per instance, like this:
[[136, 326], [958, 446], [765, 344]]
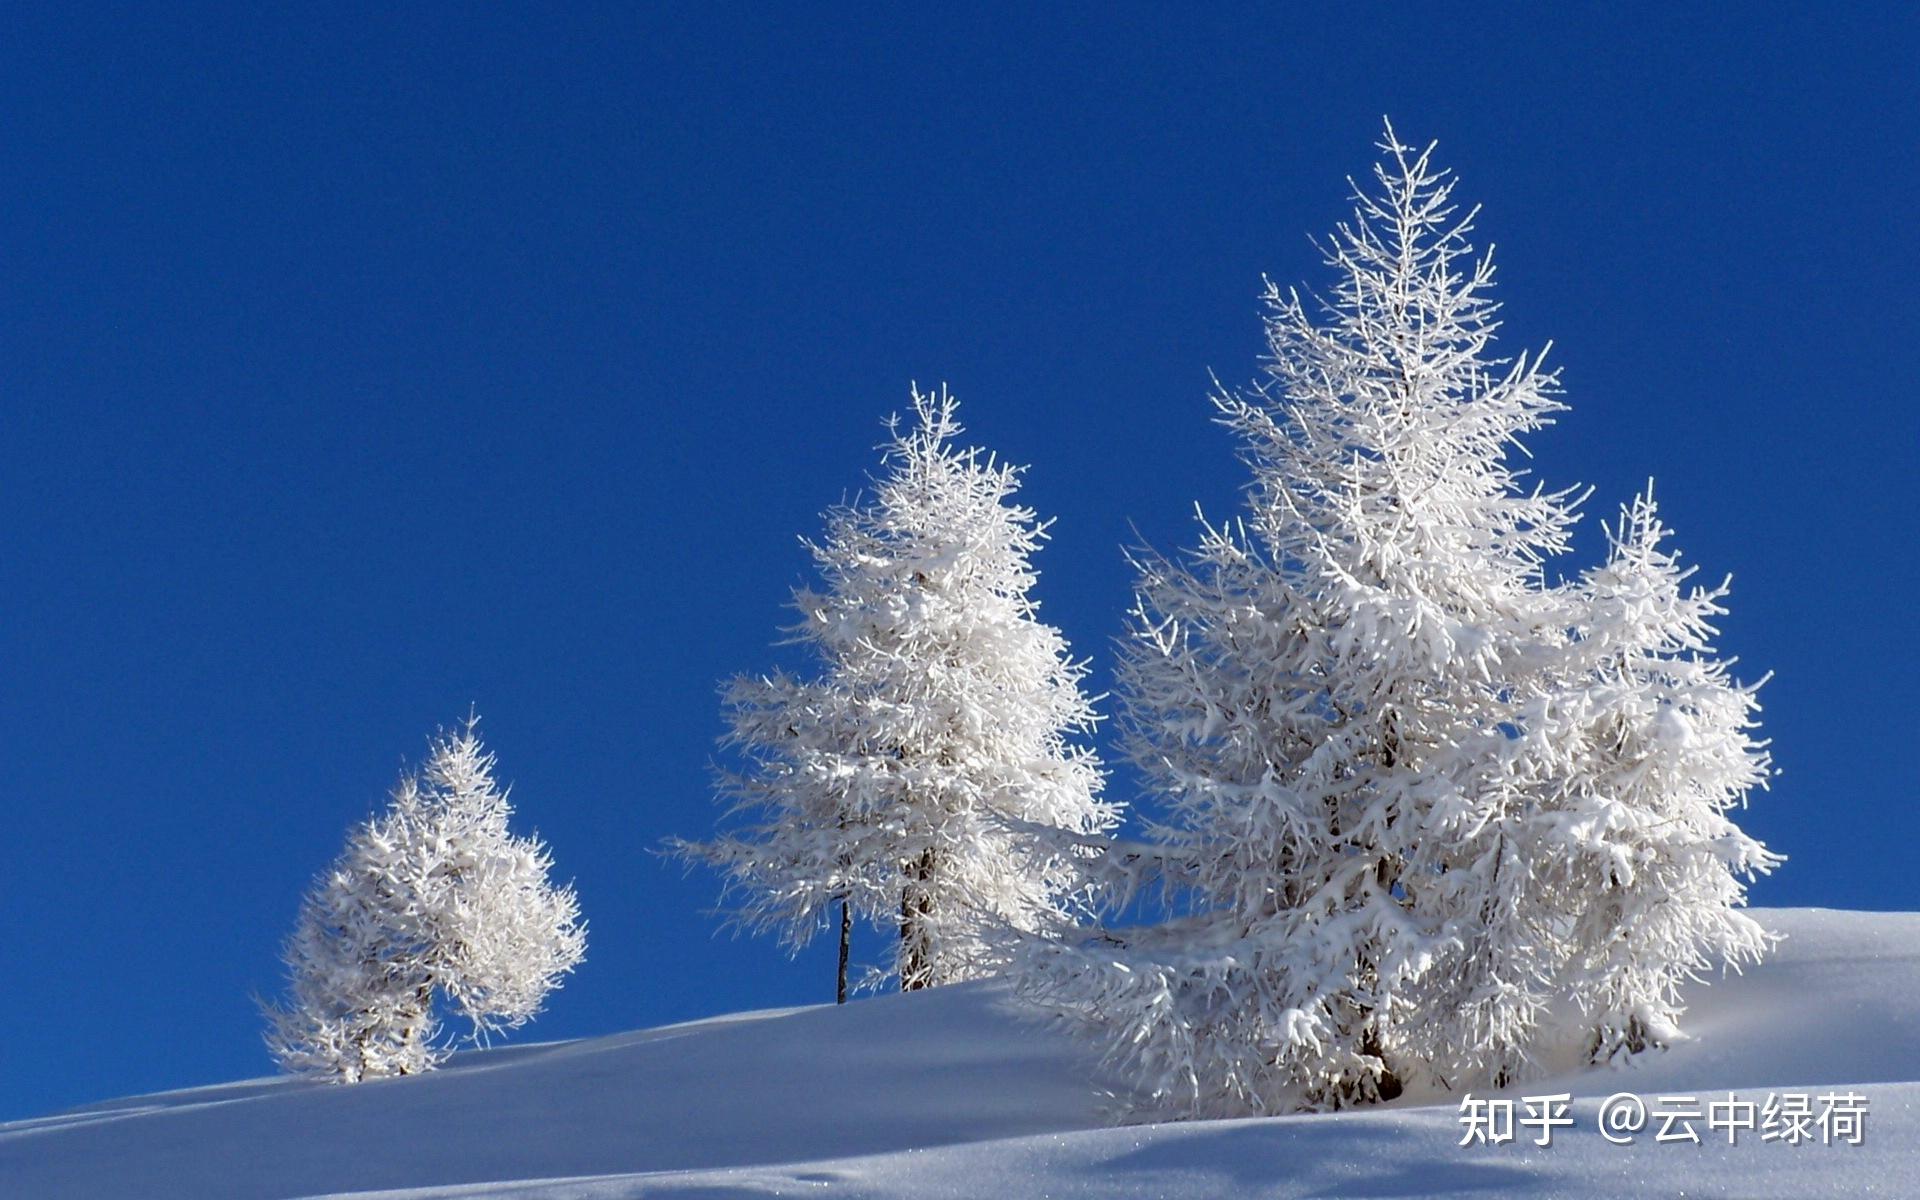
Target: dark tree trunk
[[846, 933], [1386, 1085], [916, 952]]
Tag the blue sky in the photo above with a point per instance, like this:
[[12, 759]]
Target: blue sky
[[358, 367]]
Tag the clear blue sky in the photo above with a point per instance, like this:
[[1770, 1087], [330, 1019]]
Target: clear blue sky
[[358, 367]]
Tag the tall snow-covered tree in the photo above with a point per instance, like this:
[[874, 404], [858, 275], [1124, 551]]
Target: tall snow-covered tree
[[1358, 704], [926, 777], [434, 909]]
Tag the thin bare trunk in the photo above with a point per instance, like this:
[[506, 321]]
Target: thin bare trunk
[[846, 934]]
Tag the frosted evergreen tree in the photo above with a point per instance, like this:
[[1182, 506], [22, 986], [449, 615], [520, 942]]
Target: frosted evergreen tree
[[360, 995], [1659, 750], [1601, 869], [434, 909], [1355, 704], [926, 778]]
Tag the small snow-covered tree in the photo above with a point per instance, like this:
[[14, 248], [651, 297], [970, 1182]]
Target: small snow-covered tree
[[1603, 870], [1657, 746], [360, 995], [1376, 728], [925, 778], [434, 907]]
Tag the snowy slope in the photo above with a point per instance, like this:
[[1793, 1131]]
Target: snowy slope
[[947, 1094]]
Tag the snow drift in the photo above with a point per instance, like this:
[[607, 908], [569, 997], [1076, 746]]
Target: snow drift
[[950, 1093]]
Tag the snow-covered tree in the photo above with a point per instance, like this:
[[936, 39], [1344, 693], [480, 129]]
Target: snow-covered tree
[[1657, 747], [435, 908], [925, 777], [1358, 705], [360, 996], [1604, 870]]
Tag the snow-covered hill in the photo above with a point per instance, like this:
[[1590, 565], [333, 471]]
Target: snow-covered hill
[[948, 1094]]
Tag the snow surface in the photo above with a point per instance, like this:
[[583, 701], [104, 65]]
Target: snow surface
[[950, 1094]]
